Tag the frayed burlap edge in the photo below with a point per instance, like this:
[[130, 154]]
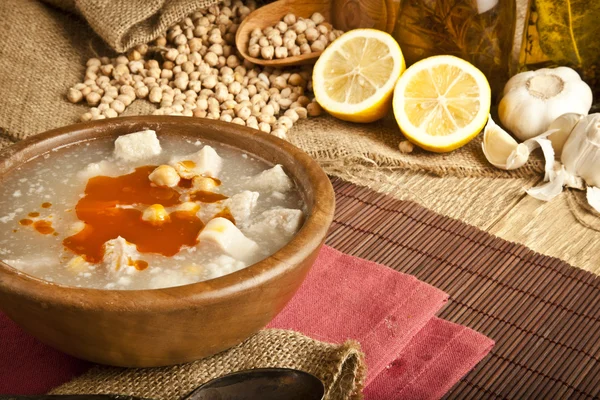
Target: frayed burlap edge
[[581, 210], [338, 144], [125, 24], [340, 367]]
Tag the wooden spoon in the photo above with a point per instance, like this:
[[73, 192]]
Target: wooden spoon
[[342, 14]]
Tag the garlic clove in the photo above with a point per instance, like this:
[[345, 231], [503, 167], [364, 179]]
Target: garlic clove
[[500, 149], [593, 197], [564, 126]]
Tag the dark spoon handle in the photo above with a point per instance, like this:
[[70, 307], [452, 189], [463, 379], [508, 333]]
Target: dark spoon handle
[[70, 397]]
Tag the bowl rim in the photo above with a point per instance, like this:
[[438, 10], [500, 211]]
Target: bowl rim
[[310, 237]]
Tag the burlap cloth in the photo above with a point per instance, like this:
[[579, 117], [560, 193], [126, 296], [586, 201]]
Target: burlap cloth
[[340, 368]]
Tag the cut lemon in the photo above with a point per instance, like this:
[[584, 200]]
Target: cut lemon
[[354, 77], [441, 103]]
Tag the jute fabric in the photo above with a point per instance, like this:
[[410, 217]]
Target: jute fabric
[[340, 368], [126, 23], [339, 144]]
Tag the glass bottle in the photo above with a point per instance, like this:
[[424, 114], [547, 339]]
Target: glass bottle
[[564, 33], [479, 31]]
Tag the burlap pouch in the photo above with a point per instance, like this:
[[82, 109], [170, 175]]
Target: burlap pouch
[[126, 23], [340, 368]]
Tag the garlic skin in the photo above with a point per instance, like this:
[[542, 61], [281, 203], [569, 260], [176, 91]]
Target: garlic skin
[[562, 127], [581, 152], [534, 99], [579, 163]]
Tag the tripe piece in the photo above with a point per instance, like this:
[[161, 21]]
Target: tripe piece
[[104, 168], [137, 146], [223, 234], [120, 257], [271, 180], [240, 206], [204, 162], [280, 223], [78, 264]]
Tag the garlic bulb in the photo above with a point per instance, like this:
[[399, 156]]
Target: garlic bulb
[[579, 162], [581, 152], [533, 99]]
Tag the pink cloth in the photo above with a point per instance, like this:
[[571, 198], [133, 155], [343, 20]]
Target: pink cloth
[[410, 354], [436, 358], [28, 366]]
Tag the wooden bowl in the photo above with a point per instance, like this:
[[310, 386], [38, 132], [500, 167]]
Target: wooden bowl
[[148, 328], [342, 14]]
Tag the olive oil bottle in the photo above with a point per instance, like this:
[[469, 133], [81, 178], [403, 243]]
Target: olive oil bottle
[[564, 33], [479, 31]]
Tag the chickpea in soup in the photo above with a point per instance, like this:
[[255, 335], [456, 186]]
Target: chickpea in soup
[[143, 214]]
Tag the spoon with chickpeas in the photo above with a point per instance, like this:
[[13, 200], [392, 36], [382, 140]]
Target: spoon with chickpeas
[[295, 32]]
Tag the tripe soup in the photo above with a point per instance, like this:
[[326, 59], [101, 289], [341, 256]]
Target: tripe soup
[[144, 213]]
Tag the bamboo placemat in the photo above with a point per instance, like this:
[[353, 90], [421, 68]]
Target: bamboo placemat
[[543, 313]]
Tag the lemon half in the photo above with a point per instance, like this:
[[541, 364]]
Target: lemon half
[[441, 103], [354, 77]]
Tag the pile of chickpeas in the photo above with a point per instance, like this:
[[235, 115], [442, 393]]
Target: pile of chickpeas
[[195, 70], [292, 36]]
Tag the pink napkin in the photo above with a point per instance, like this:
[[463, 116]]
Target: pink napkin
[[28, 366], [410, 354], [434, 360]]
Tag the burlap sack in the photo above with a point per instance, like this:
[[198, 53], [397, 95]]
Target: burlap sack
[[44, 48], [340, 368], [126, 23]]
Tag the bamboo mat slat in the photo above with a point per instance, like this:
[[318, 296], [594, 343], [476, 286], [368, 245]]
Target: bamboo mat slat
[[543, 313]]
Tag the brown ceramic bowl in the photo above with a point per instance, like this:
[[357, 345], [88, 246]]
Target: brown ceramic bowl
[[147, 328]]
